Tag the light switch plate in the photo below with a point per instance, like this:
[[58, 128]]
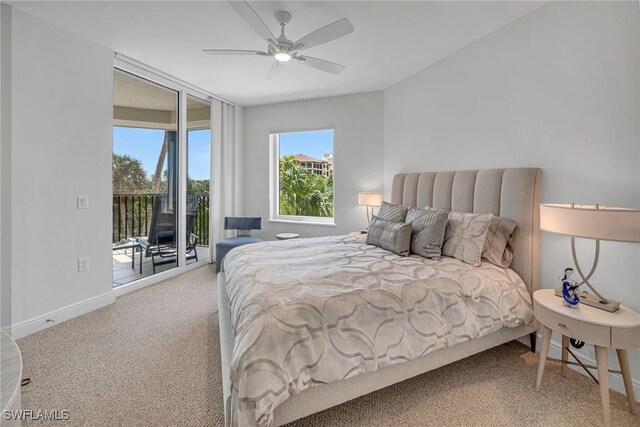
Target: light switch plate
[[83, 201]]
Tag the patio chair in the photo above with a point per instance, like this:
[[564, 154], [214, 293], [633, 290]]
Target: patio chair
[[160, 245], [244, 225]]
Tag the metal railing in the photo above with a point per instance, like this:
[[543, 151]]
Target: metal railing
[[132, 214]]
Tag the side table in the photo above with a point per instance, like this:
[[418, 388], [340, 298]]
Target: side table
[[133, 245], [619, 330]]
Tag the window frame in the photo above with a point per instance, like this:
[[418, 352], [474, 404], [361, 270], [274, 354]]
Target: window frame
[[274, 180]]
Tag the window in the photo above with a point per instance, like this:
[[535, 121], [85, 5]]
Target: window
[[302, 176]]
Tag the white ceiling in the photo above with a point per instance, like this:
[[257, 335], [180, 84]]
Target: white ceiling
[[391, 41]]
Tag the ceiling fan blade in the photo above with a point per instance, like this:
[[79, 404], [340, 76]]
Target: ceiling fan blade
[[250, 16], [235, 52], [277, 74], [320, 64], [324, 35]]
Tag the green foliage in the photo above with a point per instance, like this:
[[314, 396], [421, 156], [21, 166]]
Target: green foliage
[[128, 175], [197, 186], [303, 192], [134, 194]]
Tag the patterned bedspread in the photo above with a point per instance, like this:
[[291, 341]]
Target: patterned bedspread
[[312, 311]]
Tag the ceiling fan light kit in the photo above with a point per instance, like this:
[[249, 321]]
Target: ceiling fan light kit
[[282, 56], [281, 48]]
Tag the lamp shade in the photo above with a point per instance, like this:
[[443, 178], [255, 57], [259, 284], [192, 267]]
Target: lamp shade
[[370, 199], [591, 222]]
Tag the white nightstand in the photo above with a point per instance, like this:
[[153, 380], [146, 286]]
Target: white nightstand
[[619, 330]]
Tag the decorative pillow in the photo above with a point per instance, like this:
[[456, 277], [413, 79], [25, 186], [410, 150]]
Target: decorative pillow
[[495, 248], [392, 236], [392, 212], [427, 235], [465, 235], [507, 256]]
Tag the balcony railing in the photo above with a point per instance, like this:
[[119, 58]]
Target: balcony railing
[[132, 215]]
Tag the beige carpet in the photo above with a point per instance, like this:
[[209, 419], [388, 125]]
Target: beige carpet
[[152, 359]]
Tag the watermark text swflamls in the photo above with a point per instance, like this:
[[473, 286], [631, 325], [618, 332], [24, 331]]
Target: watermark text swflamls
[[36, 415]]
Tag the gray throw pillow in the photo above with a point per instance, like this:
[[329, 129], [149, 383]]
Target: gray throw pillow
[[497, 248], [465, 235], [428, 227], [392, 212], [391, 236]]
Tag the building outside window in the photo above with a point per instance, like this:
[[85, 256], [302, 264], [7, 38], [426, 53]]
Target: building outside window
[[302, 176]]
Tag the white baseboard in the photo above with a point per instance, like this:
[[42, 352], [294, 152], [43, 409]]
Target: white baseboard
[[30, 326], [555, 350]]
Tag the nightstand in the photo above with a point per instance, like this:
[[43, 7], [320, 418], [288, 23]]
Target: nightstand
[[619, 330], [358, 233]]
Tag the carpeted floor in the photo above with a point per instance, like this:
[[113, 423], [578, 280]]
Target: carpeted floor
[[152, 359]]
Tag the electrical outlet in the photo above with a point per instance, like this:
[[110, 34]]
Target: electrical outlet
[[83, 264], [83, 201]]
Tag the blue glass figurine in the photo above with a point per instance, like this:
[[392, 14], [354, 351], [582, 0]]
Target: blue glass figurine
[[570, 289]]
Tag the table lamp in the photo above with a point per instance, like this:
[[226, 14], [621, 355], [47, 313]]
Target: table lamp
[[591, 222], [370, 200]]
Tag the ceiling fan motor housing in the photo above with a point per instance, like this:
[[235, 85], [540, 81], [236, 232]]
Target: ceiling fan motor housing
[[281, 48]]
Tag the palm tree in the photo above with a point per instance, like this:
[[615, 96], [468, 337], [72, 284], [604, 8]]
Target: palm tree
[[157, 175], [128, 175], [302, 192]]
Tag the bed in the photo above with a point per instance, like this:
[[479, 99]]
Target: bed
[[308, 324]]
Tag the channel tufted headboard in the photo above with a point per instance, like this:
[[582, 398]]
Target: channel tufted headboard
[[510, 193]]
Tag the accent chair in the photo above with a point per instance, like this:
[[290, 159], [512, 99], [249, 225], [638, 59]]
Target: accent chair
[[243, 225]]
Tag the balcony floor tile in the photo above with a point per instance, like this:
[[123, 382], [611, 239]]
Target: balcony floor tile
[[123, 273]]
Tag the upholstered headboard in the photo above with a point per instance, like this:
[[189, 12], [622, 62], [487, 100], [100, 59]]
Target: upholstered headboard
[[509, 193]]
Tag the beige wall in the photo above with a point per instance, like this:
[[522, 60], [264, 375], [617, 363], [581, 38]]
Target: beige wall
[[60, 147], [556, 89], [357, 147]]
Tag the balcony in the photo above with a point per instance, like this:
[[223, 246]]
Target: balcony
[[132, 215]]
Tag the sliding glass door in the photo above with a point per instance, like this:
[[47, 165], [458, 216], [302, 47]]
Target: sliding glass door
[[145, 178]]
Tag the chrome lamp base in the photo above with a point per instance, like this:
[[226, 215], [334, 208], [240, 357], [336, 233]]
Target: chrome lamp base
[[596, 299]]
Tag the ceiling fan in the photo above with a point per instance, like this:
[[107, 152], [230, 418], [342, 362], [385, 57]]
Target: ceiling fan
[[283, 49]]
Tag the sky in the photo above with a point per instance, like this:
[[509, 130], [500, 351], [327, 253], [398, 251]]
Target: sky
[[145, 145], [314, 143]]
